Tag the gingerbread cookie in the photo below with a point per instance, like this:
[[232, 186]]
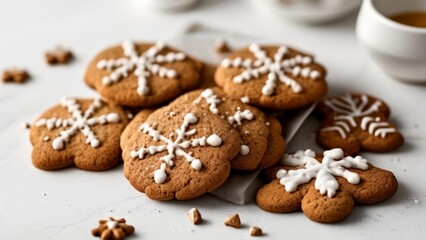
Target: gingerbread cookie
[[276, 144], [179, 152], [81, 132], [142, 75], [325, 188], [274, 77], [250, 123], [357, 121]]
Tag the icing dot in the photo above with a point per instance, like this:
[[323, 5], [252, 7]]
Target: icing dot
[[214, 140], [191, 118], [113, 117], [46, 138], [196, 164], [94, 143], [111, 224], [58, 144], [245, 99], [244, 150], [160, 174]]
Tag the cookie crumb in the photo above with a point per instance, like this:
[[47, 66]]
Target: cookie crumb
[[15, 75], [245, 99], [233, 221], [255, 231], [25, 125], [221, 46], [113, 229], [58, 56], [195, 216]]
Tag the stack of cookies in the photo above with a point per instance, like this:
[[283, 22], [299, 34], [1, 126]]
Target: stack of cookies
[[180, 142]]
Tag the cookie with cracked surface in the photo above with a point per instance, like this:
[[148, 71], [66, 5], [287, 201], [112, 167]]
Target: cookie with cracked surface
[[179, 152], [273, 77], [356, 122], [325, 188], [142, 74], [247, 120], [81, 132]]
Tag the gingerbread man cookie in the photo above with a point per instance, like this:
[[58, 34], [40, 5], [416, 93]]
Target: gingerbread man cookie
[[273, 77], [81, 132], [250, 123], [357, 121], [178, 152], [142, 75], [325, 188]]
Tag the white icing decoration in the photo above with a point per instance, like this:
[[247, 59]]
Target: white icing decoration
[[351, 108], [244, 150], [279, 67], [214, 140], [333, 165], [77, 122], [245, 99], [111, 224], [175, 147], [209, 96], [142, 66], [46, 138], [240, 116]]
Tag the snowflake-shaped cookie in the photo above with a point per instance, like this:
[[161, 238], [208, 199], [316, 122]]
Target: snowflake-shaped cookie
[[325, 188], [353, 119], [175, 147], [142, 66], [279, 68], [78, 122]]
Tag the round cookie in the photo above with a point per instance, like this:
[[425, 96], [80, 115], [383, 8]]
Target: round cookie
[[357, 121], [247, 120], [325, 188], [142, 75], [81, 132], [273, 77], [179, 152]]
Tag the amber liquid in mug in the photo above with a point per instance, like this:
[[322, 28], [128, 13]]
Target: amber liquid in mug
[[414, 19]]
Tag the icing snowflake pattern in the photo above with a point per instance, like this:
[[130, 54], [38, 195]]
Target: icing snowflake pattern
[[279, 68], [351, 108], [77, 122], [175, 147], [143, 65], [332, 165]]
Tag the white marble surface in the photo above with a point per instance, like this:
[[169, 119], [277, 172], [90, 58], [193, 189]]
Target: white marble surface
[[66, 204]]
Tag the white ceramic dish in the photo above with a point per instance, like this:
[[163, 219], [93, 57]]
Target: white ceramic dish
[[308, 11], [399, 49], [169, 5]]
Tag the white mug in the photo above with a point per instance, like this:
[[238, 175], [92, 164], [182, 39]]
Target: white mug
[[399, 49]]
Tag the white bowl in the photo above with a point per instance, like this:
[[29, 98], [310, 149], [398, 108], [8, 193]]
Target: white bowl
[[399, 49], [168, 5], [308, 11]]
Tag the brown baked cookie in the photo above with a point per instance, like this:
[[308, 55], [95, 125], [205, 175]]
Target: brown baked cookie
[[273, 77], [247, 120], [276, 144], [179, 152], [357, 121], [142, 75], [136, 121], [81, 132], [325, 189]]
